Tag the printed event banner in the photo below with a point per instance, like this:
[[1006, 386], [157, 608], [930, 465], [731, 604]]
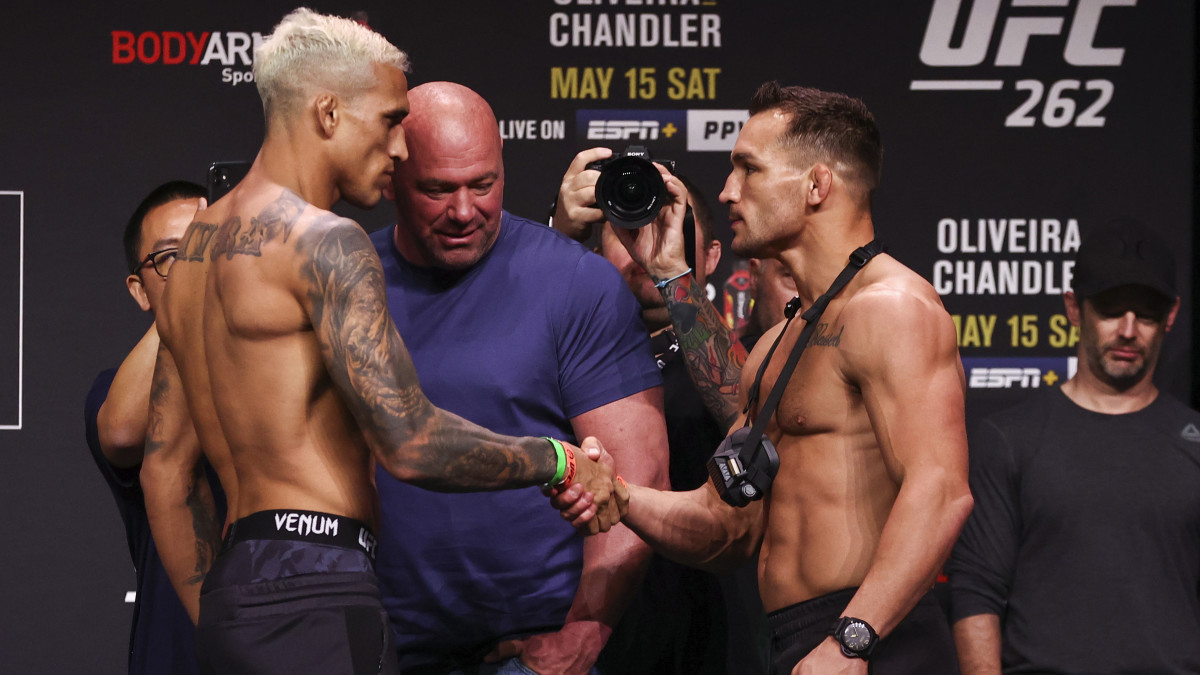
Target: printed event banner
[[1012, 128]]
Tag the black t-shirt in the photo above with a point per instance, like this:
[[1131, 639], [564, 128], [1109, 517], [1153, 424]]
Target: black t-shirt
[[692, 433], [1085, 537]]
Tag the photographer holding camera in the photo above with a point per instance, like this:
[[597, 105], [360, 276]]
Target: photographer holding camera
[[871, 488], [684, 620]]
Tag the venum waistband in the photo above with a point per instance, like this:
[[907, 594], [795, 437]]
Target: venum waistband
[[309, 526]]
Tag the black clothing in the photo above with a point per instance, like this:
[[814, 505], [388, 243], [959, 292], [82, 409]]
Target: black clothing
[[289, 606], [692, 432], [677, 622], [921, 644], [1085, 537]]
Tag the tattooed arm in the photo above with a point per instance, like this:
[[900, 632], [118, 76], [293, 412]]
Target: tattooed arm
[[713, 355], [368, 362], [179, 502]]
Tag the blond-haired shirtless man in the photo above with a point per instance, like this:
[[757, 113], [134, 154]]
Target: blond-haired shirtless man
[[280, 360]]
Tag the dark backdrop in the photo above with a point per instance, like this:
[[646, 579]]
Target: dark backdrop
[[986, 131]]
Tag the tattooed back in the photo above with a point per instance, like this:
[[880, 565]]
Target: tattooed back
[[238, 318]]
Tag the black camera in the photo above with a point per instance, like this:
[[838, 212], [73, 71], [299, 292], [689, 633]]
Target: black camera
[[223, 177], [742, 474], [630, 191]]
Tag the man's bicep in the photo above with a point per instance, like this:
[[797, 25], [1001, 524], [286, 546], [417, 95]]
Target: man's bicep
[[633, 431], [343, 291], [908, 370], [601, 344]]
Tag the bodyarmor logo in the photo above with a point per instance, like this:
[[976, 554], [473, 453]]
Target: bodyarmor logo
[[1065, 102], [171, 48]]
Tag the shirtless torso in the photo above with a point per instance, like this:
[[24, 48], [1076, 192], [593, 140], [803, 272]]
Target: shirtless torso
[[871, 489], [882, 352], [280, 360]]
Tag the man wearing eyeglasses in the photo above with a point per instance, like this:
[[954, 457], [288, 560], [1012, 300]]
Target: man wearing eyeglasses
[[161, 639]]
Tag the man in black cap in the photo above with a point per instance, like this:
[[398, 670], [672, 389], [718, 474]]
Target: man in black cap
[[1083, 552]]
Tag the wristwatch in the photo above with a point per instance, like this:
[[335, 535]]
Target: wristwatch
[[856, 637]]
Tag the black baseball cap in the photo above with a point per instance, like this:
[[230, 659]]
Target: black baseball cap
[[1121, 253]]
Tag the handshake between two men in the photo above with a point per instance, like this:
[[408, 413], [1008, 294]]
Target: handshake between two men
[[586, 490]]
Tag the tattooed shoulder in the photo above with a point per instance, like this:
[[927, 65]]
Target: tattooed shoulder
[[338, 255], [824, 336], [275, 222]]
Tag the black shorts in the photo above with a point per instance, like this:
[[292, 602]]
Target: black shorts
[[285, 596], [921, 644]]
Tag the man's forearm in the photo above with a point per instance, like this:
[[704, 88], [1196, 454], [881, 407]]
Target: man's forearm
[[713, 355], [450, 454], [978, 641], [924, 523], [179, 501], [613, 568], [186, 529], [695, 528]]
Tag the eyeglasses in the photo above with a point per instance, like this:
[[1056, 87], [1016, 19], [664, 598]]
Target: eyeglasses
[[160, 260]]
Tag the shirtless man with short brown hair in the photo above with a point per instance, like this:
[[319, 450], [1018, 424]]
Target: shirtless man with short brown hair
[[281, 361], [872, 482]]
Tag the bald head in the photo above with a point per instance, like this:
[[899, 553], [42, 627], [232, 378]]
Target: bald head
[[449, 190], [445, 114]]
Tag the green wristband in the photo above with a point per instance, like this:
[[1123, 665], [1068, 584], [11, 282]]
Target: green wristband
[[561, 454]]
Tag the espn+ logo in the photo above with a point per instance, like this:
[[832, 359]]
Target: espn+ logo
[[1061, 103], [1008, 372], [626, 130], [170, 48]]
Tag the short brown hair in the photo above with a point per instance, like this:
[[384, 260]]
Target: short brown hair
[[827, 126]]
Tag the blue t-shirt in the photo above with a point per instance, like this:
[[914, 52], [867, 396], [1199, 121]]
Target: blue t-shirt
[[162, 639], [539, 331]]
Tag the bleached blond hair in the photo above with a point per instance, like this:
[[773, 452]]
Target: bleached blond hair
[[310, 51]]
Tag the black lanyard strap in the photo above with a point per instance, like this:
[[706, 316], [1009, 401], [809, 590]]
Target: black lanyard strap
[[858, 259]]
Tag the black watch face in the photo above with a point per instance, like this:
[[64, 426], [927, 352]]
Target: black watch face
[[856, 636]]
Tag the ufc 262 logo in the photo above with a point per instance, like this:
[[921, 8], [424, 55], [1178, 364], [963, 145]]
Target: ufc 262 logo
[[989, 38]]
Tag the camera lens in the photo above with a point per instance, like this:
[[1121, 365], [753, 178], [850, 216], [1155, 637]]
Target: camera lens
[[630, 192]]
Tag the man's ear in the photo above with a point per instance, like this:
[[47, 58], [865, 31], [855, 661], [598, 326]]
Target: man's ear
[[134, 283], [712, 258], [328, 111], [821, 182], [1172, 314], [1071, 304]]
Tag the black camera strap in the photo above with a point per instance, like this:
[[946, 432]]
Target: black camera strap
[[858, 259]]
